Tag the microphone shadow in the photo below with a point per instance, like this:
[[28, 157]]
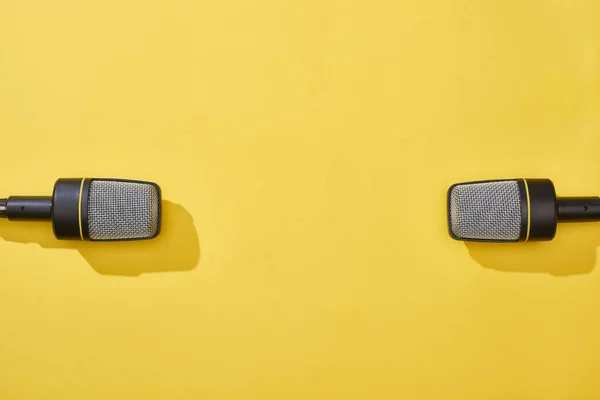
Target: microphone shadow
[[176, 249], [572, 252]]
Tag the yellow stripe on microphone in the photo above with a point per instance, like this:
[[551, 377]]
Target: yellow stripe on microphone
[[528, 209], [79, 206]]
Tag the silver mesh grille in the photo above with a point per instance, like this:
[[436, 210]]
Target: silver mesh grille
[[120, 210], [490, 211]]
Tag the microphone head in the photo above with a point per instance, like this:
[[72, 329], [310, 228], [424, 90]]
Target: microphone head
[[509, 210], [105, 209], [122, 210], [486, 211]]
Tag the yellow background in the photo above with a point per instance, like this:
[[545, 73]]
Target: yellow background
[[304, 150]]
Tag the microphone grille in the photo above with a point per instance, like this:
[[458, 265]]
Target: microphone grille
[[122, 210], [486, 211]]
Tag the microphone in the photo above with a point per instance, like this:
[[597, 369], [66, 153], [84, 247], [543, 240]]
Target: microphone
[[89, 209], [513, 210]]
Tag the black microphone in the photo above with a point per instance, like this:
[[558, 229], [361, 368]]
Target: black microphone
[[513, 210], [93, 209]]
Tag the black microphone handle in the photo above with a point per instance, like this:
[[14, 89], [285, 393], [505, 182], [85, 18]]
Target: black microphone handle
[[26, 208], [578, 209]]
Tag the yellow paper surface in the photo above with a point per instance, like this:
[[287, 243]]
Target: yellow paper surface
[[304, 149]]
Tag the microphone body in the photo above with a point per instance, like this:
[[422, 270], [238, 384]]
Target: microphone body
[[578, 209], [93, 209], [515, 210], [23, 208]]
